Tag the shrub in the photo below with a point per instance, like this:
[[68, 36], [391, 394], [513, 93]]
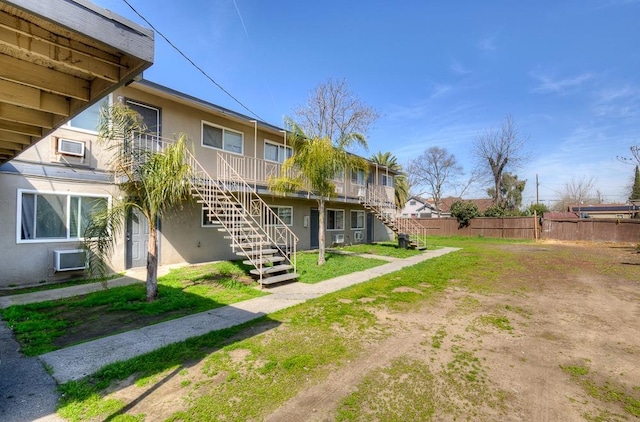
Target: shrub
[[464, 211]]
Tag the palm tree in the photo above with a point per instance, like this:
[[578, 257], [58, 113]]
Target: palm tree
[[315, 163], [153, 180], [400, 182]]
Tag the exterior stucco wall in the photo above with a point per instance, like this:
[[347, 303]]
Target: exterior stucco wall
[[32, 263]]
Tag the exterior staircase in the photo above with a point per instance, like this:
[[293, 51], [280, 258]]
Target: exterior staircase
[[253, 229], [376, 199]]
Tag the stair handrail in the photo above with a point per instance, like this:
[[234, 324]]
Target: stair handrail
[[277, 232], [377, 198]]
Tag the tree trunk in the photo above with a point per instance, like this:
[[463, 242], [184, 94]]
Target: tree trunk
[[321, 231], [152, 262]]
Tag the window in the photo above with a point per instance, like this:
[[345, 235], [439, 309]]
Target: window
[[221, 138], [55, 217], [276, 152], [357, 177], [386, 180], [339, 176], [284, 213], [412, 203], [205, 222], [89, 119], [357, 219], [150, 116], [335, 219]]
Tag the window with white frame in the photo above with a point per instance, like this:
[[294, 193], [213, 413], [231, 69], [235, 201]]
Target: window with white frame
[[222, 138], [89, 119], [335, 219], [50, 216], [357, 219], [276, 152], [339, 176], [386, 180], [285, 213], [357, 177]]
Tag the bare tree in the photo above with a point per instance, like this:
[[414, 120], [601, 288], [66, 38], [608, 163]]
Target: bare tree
[[634, 158], [498, 151], [334, 112], [435, 169], [577, 192]]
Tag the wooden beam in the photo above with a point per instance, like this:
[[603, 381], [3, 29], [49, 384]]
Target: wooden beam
[[32, 74], [19, 138], [22, 129], [24, 115], [34, 98], [11, 145], [7, 152], [34, 40]]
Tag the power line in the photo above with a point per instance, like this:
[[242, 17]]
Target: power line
[[192, 62]]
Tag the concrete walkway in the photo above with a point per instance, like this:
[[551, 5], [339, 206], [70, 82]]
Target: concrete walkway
[[84, 359]]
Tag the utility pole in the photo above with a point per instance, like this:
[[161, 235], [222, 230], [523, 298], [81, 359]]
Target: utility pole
[[537, 193]]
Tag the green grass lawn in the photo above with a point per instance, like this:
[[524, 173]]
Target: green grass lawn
[[334, 266], [381, 248], [46, 326]]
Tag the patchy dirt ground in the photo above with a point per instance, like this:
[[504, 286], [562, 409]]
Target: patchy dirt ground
[[556, 340]]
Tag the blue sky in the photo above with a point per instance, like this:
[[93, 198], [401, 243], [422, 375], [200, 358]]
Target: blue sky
[[439, 72]]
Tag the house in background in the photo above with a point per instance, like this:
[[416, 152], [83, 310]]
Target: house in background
[[49, 190], [606, 210], [418, 207]]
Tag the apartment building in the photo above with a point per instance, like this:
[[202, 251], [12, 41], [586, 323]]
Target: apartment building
[[47, 191]]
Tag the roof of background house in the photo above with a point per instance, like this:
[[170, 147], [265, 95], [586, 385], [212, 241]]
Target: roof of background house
[[554, 215], [604, 208]]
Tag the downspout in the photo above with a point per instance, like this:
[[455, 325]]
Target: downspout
[[255, 155]]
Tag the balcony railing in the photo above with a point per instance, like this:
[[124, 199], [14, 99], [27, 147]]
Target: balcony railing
[[254, 171]]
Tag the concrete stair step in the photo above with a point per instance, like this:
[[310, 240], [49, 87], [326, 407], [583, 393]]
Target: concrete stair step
[[271, 270], [265, 260], [254, 252], [280, 278]]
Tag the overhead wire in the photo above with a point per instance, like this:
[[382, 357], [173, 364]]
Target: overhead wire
[[206, 75]]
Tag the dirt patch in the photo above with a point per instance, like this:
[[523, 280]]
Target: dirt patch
[[553, 339]]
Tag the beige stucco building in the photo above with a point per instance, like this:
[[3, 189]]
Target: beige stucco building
[[66, 172]]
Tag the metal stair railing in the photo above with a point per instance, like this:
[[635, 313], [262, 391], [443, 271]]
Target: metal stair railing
[[233, 202], [279, 235], [376, 197]]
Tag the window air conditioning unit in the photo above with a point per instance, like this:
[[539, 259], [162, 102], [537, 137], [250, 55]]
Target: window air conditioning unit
[[69, 260], [338, 238], [339, 189], [357, 236], [69, 147]]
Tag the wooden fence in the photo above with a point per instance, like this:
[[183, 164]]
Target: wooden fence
[[588, 229]]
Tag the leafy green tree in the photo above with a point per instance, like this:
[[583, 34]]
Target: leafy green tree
[[313, 166], [539, 209], [496, 211], [635, 189], [511, 193], [464, 211], [400, 182], [153, 181]]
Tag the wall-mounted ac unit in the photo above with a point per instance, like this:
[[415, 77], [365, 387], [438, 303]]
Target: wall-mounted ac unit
[[338, 238], [69, 259], [357, 236], [69, 147]]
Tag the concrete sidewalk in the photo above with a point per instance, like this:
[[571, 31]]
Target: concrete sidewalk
[[78, 361]]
